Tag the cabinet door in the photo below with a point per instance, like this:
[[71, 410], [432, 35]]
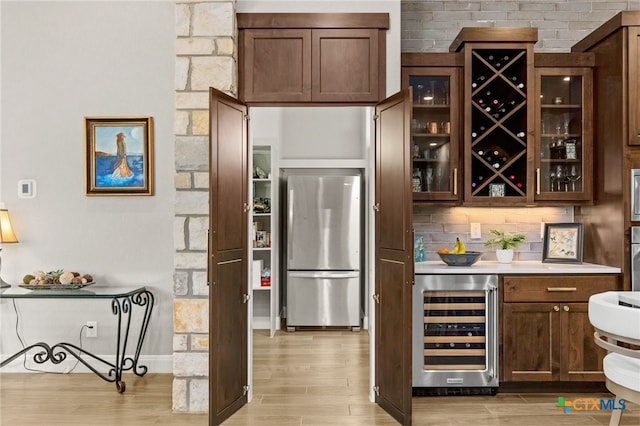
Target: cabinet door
[[227, 256], [393, 257], [276, 65], [531, 343], [498, 113], [580, 357], [564, 147], [344, 65], [435, 132], [634, 85]]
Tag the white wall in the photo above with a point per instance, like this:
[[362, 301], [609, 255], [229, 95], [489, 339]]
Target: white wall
[[392, 7], [62, 61]]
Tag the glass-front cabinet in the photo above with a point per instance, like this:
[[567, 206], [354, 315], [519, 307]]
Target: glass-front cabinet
[[435, 132], [563, 165]]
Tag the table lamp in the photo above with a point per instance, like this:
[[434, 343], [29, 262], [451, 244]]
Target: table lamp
[[6, 236]]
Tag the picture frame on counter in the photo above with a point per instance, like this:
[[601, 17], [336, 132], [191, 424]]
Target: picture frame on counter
[[563, 243]]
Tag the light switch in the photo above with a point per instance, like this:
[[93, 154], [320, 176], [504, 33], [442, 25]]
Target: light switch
[[475, 231]]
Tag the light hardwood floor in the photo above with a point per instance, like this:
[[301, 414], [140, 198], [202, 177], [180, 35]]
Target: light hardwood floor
[[302, 378]]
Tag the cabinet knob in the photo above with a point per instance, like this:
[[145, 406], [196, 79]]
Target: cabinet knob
[[566, 308], [556, 308]]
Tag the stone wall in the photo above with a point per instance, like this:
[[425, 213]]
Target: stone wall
[[206, 56]]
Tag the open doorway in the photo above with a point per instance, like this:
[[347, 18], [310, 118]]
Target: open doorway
[[299, 139]]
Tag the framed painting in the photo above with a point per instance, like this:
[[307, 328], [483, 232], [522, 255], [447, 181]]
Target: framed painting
[[119, 155], [562, 243]]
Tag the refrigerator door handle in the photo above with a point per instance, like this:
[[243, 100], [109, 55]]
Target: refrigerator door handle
[[322, 274], [290, 227]]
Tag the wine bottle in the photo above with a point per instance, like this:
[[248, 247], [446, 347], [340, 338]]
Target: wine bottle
[[478, 81]]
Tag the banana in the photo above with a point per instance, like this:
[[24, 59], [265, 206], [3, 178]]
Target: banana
[[459, 248], [456, 248]]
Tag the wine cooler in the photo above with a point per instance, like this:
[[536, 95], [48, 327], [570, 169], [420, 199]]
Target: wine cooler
[[455, 348]]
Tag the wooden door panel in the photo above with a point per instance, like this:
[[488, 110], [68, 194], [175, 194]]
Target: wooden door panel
[[581, 358], [393, 170], [230, 343], [394, 256], [276, 65], [230, 188], [344, 65], [227, 257], [392, 279], [530, 342]]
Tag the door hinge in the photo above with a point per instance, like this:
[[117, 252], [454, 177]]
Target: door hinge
[[245, 298], [376, 389], [376, 207], [246, 117], [245, 389], [375, 117], [376, 297]]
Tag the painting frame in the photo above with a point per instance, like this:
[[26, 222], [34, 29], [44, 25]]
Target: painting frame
[[563, 243], [118, 155]]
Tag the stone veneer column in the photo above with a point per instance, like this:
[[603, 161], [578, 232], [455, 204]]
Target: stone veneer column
[[206, 56]]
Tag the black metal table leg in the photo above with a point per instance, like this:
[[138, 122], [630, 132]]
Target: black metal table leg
[[123, 306]]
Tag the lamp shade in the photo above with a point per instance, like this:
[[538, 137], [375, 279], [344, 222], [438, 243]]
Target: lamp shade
[[6, 231]]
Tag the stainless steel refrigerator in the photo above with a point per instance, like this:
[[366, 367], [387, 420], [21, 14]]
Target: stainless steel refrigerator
[[323, 234]]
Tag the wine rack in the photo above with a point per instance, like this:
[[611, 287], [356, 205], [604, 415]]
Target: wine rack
[[454, 330], [499, 122]]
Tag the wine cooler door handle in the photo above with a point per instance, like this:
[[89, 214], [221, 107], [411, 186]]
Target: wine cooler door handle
[[455, 181], [538, 181]]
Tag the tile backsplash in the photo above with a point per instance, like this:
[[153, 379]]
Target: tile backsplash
[[439, 227]]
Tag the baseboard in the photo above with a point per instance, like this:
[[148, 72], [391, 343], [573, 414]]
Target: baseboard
[[261, 323], [154, 364]]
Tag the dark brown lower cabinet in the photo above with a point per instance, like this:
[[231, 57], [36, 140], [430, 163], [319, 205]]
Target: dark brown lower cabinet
[[546, 333]]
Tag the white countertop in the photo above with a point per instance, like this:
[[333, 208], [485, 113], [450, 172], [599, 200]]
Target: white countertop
[[433, 267]]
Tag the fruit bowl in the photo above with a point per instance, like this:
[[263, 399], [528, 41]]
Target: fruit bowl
[[465, 259]]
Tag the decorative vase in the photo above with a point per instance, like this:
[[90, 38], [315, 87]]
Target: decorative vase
[[504, 256]]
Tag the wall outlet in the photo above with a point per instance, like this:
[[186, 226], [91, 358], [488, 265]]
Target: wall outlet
[[92, 328], [476, 231]]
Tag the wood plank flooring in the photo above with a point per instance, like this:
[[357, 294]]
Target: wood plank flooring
[[303, 378]]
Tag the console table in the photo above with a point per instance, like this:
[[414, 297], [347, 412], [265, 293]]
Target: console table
[[123, 300]]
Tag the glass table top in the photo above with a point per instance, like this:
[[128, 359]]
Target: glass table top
[[94, 291]]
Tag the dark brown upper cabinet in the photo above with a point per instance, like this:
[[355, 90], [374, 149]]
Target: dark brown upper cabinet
[[435, 125], [617, 43], [276, 65], [498, 114], [563, 154], [328, 58]]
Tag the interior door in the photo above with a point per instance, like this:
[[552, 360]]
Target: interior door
[[394, 255], [227, 260]]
